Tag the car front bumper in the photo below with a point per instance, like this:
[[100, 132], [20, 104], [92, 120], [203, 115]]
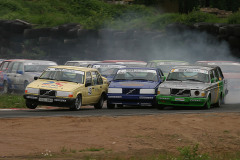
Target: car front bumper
[[140, 100], [181, 101], [49, 100]]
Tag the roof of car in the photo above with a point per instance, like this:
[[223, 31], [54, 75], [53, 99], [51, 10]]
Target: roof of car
[[143, 68], [74, 68], [84, 61], [219, 62], [195, 67], [167, 61], [101, 63], [123, 61]]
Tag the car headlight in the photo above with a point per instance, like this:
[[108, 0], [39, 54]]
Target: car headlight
[[114, 90], [198, 93], [147, 91], [164, 91], [64, 94], [32, 90]]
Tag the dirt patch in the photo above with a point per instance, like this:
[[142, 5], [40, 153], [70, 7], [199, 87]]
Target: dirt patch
[[214, 132]]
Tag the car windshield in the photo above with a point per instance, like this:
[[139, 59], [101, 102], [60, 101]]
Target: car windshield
[[196, 75], [136, 74], [61, 74], [108, 70], [35, 68]]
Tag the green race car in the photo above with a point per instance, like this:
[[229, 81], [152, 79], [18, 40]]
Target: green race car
[[196, 86]]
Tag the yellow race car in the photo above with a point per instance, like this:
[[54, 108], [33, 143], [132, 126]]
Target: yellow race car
[[67, 86]]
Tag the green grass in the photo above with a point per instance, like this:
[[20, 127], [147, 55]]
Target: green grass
[[95, 14], [12, 101]]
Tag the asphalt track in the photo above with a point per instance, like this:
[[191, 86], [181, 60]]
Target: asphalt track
[[126, 111], [232, 106]]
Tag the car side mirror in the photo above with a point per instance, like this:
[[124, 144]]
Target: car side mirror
[[35, 78], [88, 84], [20, 72]]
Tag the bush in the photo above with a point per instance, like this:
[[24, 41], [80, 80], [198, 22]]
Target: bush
[[197, 16], [234, 18]]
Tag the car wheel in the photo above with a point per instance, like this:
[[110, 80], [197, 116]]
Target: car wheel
[[219, 102], [77, 104], [99, 105], [222, 99], [31, 105], [119, 106], [5, 88], [110, 106], [160, 106], [208, 103]]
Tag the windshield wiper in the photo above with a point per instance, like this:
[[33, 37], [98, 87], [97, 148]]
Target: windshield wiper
[[139, 79], [172, 79], [194, 80], [47, 78]]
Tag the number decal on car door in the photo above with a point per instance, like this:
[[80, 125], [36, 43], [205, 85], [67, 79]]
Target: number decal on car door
[[89, 90]]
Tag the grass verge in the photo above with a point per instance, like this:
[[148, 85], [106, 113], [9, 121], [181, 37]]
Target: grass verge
[[12, 101]]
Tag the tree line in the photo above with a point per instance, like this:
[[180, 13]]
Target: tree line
[[185, 6]]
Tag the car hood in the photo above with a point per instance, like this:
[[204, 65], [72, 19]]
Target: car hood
[[184, 84], [133, 84], [54, 85]]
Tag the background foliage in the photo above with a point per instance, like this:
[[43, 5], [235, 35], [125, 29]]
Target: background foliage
[[95, 14]]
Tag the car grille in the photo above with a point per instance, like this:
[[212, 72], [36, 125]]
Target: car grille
[[181, 92], [130, 91], [44, 92]]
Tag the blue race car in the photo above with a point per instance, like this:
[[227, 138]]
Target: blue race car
[[134, 86], [107, 70]]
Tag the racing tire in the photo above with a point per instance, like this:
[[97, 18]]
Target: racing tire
[[5, 88], [222, 99], [207, 105], [31, 105], [99, 105], [160, 107], [110, 106], [119, 106], [76, 106], [219, 102]]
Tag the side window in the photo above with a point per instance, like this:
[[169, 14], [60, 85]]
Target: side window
[[99, 79], [211, 75], [4, 66], [14, 67], [20, 67], [88, 78], [216, 74], [220, 73], [94, 77]]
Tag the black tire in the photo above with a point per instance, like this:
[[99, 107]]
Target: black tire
[[119, 106], [110, 106], [5, 88], [77, 104], [219, 102], [160, 106], [207, 105], [31, 105], [99, 105]]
